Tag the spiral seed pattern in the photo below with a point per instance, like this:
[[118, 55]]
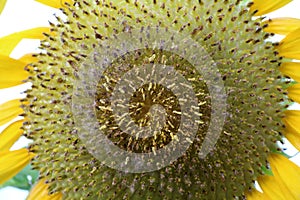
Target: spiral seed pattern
[[248, 67]]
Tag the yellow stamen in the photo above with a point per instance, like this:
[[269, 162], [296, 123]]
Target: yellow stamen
[[266, 6], [10, 135], [11, 162]]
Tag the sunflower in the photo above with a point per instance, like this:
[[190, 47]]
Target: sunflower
[[259, 78]]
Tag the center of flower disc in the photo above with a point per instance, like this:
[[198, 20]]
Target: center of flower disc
[[164, 76]]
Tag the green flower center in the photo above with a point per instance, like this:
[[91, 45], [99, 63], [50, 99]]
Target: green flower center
[[248, 67]]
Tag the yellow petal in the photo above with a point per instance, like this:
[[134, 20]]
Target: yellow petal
[[292, 127], [11, 162], [10, 135], [286, 174], [267, 6], [2, 4], [293, 137], [283, 25], [291, 69], [256, 195], [289, 46], [8, 43], [55, 3], [11, 72], [285, 184], [40, 192], [28, 58], [294, 92], [9, 110], [270, 187]]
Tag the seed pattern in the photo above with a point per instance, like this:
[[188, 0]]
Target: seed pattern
[[144, 98], [248, 65]]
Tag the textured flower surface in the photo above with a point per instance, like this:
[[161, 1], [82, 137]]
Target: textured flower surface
[[155, 100]]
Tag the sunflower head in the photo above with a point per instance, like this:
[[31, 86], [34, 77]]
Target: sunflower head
[[157, 100]]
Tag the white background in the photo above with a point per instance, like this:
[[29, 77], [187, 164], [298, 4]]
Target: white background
[[24, 14]]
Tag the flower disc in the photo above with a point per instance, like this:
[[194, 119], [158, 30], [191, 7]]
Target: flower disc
[[231, 43]]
